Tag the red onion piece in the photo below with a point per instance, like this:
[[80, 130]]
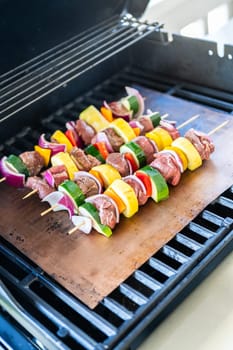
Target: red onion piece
[[102, 137], [83, 223], [55, 147], [133, 92], [136, 124], [49, 178], [12, 178], [92, 198], [62, 202], [70, 125], [84, 173]]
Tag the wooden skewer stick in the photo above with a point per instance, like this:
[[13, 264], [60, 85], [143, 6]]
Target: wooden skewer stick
[[30, 193], [2, 179], [72, 230], [164, 116], [188, 121], [218, 128], [48, 210]]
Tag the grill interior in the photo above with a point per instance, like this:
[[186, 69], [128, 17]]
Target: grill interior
[[109, 324]]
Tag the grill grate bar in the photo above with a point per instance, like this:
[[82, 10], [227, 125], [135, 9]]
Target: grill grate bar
[[200, 230], [147, 280], [212, 217], [210, 101], [132, 294], [50, 69], [76, 67], [175, 254], [117, 308], [40, 59], [226, 202], [161, 267], [188, 242]]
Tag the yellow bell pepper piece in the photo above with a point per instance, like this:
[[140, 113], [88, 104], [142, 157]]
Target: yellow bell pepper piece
[[108, 173], [44, 152], [123, 129], [61, 138], [156, 138], [94, 118], [127, 195], [192, 155], [120, 204], [63, 158]]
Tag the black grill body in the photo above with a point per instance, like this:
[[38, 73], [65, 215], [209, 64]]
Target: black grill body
[[40, 95]]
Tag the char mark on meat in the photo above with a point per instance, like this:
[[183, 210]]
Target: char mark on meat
[[33, 161]]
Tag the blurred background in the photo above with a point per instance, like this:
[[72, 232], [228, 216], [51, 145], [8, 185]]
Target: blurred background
[[206, 19]]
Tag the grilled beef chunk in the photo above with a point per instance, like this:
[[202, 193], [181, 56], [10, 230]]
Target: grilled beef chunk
[[136, 186], [118, 161], [146, 123], [166, 164], [115, 140], [59, 174], [36, 183], [85, 131], [33, 161], [146, 146], [88, 185], [83, 161], [107, 211], [201, 142], [170, 128]]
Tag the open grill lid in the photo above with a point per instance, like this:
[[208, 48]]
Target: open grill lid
[[29, 28]]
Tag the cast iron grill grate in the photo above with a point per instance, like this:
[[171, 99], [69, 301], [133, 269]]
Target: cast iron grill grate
[[64, 317]]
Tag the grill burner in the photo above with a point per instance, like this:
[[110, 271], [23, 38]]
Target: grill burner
[[153, 289]]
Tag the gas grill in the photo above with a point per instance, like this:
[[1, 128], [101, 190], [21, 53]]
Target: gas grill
[[81, 62]]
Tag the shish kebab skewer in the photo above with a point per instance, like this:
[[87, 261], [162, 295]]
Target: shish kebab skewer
[[61, 147], [129, 107], [34, 191], [210, 133], [219, 127], [179, 127]]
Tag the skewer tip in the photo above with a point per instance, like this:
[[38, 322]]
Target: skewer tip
[[218, 128], [194, 117], [30, 194], [45, 212], [2, 179]]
